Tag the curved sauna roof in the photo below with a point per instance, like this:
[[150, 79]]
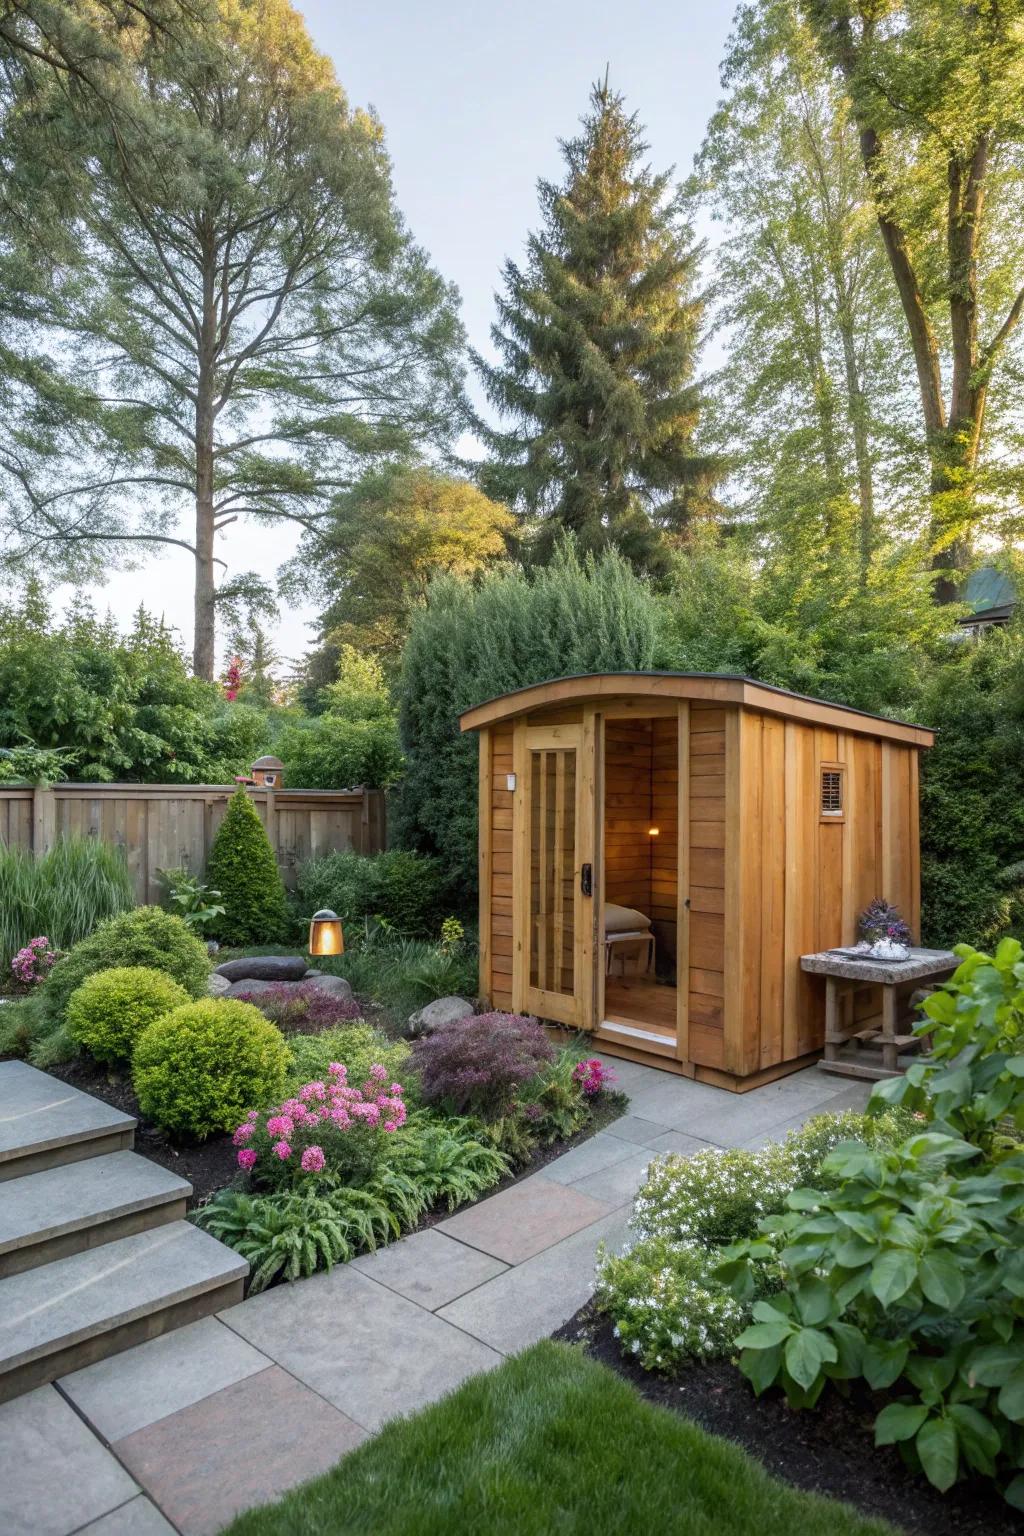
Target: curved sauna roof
[[708, 687]]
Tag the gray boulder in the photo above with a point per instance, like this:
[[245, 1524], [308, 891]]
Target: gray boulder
[[445, 1010], [251, 987], [217, 986], [336, 985], [264, 968]]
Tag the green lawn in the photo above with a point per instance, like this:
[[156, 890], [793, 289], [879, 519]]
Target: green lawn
[[550, 1444]]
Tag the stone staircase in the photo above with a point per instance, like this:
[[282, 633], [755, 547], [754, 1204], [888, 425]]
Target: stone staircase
[[95, 1254]]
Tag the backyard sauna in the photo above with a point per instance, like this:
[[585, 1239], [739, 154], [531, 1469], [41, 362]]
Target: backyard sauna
[[657, 850]]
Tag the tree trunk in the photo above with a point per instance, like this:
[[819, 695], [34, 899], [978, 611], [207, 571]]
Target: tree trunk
[[858, 410], [205, 589]]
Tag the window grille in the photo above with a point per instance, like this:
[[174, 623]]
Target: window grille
[[831, 792]]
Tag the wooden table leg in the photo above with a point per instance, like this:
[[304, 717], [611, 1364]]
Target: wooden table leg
[[832, 1035], [890, 1020]]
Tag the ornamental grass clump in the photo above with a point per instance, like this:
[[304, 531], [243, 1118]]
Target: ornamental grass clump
[[476, 1066], [328, 1128]]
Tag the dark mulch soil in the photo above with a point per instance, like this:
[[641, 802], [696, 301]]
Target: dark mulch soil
[[208, 1165], [829, 1451]]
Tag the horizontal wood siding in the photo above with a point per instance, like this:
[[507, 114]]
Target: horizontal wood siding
[[707, 884], [162, 826]]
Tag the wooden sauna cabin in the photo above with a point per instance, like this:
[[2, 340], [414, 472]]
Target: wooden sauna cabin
[[657, 850]]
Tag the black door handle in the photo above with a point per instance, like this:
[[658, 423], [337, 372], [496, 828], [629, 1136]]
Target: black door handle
[[587, 880]]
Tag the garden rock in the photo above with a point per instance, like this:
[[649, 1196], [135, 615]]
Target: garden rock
[[253, 987], [217, 986], [336, 985], [264, 968], [445, 1010]]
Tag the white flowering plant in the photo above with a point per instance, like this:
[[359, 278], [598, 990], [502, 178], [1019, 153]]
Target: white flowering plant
[[662, 1295]]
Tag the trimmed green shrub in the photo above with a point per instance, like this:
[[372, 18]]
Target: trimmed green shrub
[[148, 936], [407, 890], [243, 868], [110, 1010], [199, 1069], [331, 752], [358, 1046]]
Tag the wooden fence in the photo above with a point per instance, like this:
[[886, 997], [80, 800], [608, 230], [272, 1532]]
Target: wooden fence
[[171, 826]]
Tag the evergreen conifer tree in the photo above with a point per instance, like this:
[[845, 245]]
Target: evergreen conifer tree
[[597, 338], [242, 867]]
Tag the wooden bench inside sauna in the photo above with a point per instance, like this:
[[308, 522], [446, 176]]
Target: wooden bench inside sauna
[[657, 850]]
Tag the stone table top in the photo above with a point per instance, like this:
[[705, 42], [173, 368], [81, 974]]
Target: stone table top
[[840, 962]]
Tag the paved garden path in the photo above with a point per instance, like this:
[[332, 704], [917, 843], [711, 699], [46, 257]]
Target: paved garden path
[[181, 1433]]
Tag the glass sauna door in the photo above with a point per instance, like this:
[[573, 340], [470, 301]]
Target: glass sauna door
[[554, 875]]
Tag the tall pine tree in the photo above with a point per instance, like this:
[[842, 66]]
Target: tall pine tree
[[597, 339]]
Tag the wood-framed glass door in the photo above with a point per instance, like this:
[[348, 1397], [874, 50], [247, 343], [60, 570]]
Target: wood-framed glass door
[[553, 872]]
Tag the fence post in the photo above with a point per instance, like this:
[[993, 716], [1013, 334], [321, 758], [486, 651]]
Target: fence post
[[44, 820]]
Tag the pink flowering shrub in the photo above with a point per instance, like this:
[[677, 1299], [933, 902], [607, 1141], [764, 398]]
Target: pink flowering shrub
[[476, 1066], [593, 1076], [329, 1127], [303, 1010], [33, 963]]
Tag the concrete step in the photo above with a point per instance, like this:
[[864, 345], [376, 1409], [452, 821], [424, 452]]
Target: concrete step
[[44, 1123], [49, 1215], [77, 1310]]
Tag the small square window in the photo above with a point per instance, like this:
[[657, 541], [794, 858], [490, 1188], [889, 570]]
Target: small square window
[[832, 792]]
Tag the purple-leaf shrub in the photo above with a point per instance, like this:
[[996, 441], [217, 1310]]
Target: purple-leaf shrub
[[476, 1065], [305, 1009], [34, 963], [328, 1127]]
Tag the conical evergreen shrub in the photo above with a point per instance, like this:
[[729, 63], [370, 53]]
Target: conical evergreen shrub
[[243, 868]]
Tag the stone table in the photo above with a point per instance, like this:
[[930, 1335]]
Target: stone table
[[847, 972]]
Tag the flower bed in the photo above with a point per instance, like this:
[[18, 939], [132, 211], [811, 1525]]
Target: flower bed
[[885, 1269]]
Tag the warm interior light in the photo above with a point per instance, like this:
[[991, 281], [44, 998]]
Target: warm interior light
[[653, 831], [325, 935]]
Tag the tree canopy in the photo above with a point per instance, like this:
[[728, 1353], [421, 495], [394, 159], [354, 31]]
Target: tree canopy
[[597, 339]]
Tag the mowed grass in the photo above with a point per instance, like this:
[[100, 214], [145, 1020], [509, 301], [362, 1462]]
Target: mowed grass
[[550, 1444]]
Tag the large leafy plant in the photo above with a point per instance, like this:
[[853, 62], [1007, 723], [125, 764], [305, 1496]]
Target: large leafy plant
[[910, 1276], [972, 1080]]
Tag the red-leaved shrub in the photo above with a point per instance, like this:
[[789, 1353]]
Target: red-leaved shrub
[[474, 1066], [305, 1009]]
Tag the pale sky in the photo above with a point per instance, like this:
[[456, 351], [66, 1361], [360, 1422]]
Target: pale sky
[[474, 98]]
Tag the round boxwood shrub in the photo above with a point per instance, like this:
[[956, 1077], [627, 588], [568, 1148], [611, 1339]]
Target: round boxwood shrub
[[147, 936], [110, 1010], [201, 1067], [243, 868]]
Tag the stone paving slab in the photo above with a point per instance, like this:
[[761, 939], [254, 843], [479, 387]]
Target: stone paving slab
[[600, 1151], [61, 1200], [746, 1115], [244, 1445], [676, 1144], [429, 1268], [72, 1299], [525, 1219], [136, 1518], [530, 1301], [139, 1386], [367, 1350], [619, 1182], [38, 1113], [637, 1131], [55, 1476]]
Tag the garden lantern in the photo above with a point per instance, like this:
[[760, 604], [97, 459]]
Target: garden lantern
[[267, 772], [325, 935]]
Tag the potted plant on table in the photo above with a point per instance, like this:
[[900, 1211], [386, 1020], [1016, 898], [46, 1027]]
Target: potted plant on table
[[883, 933]]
